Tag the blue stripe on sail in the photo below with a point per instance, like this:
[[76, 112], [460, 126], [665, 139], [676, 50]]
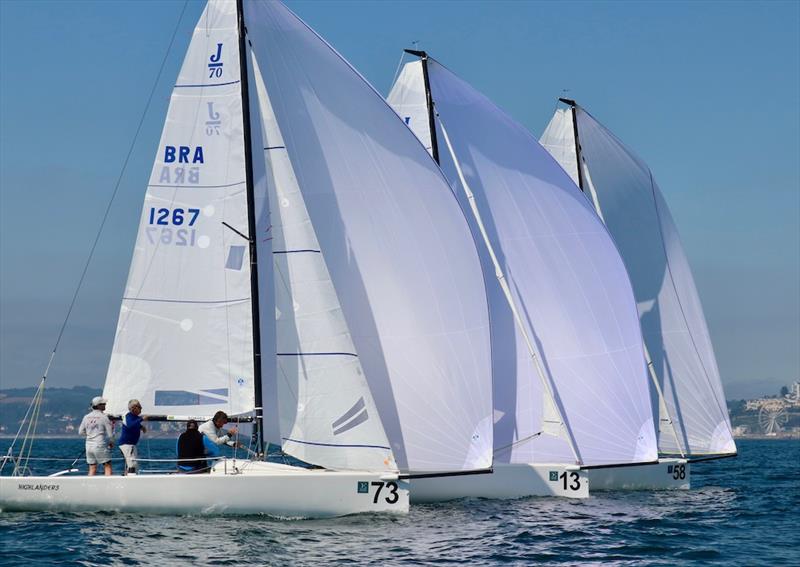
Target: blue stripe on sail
[[296, 251], [216, 391], [336, 444], [189, 186], [235, 258], [358, 406], [183, 300], [275, 148], [357, 420], [316, 354], [209, 85]]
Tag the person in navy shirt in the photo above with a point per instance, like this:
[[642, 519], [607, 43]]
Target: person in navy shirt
[[132, 428]]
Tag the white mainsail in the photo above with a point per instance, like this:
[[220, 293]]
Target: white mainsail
[[184, 341], [672, 320], [566, 278], [395, 245]]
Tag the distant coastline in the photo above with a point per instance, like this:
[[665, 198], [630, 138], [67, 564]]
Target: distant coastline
[[775, 416]]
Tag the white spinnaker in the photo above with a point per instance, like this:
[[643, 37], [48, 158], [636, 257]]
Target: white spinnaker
[[672, 319], [396, 245], [184, 342], [327, 414], [567, 280]]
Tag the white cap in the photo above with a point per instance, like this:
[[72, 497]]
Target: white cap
[[97, 400]]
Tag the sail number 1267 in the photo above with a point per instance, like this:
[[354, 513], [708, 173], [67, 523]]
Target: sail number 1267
[[176, 217]]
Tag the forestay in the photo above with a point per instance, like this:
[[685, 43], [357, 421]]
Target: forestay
[[567, 281], [184, 342], [394, 242], [672, 319]]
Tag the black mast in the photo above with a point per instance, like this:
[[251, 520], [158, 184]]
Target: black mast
[[429, 100], [251, 227], [574, 106]]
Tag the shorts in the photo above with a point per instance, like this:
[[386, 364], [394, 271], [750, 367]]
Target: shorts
[[131, 455], [98, 455]]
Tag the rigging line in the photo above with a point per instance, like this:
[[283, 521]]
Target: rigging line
[[10, 452], [518, 442], [27, 440], [116, 186], [399, 64]]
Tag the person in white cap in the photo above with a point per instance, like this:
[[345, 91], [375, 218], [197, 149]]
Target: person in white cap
[[99, 441]]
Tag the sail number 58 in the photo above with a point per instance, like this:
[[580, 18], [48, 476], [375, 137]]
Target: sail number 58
[[679, 472]]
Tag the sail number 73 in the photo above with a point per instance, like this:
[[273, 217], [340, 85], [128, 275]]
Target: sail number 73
[[391, 496]]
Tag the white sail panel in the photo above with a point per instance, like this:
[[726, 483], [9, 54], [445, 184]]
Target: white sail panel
[[568, 283], [395, 243], [408, 94], [672, 319], [184, 342], [327, 414], [559, 140]]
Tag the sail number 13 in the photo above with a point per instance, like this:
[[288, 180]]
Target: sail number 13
[[571, 482]]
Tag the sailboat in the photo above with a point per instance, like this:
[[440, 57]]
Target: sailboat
[[693, 422], [569, 379], [294, 264]]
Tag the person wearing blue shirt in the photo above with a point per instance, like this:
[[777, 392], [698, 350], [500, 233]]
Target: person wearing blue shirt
[[132, 428]]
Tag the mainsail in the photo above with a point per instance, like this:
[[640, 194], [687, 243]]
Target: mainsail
[[184, 340], [565, 275], [393, 245], [672, 320]]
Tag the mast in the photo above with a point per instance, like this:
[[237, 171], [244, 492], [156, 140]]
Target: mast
[[251, 227], [428, 100], [574, 107], [593, 197]]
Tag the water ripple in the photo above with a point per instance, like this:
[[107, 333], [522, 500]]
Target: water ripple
[[742, 511]]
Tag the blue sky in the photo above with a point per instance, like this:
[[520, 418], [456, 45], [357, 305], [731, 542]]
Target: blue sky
[[707, 93]]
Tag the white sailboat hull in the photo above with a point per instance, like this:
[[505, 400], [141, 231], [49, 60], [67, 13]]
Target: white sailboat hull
[[233, 488], [508, 481], [667, 474]]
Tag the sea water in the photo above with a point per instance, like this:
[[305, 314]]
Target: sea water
[[741, 511]]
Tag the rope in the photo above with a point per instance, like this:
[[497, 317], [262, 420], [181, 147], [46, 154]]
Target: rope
[[518, 442], [399, 64], [31, 408]]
